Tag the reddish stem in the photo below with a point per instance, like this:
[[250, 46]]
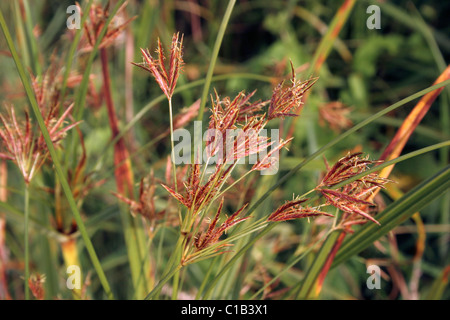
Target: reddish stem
[[123, 172], [329, 262]]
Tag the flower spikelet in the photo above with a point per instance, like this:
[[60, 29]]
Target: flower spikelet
[[293, 210], [213, 233], [166, 78], [352, 198], [287, 99]]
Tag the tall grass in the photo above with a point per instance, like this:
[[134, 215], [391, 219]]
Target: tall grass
[[140, 226]]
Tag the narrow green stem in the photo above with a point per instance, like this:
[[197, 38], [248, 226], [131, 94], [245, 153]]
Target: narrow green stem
[[57, 165], [73, 48], [174, 172], [292, 262], [230, 263], [176, 281], [31, 39], [314, 270], [233, 184], [163, 281], [172, 267], [26, 241], [176, 278], [215, 53], [206, 278]]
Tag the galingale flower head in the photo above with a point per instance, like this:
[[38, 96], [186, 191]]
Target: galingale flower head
[[213, 234], [354, 197], [167, 79], [288, 98], [294, 210], [94, 25], [23, 146]]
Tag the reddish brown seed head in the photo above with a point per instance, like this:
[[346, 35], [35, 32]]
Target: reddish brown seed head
[[165, 77], [287, 99], [294, 210], [354, 197]]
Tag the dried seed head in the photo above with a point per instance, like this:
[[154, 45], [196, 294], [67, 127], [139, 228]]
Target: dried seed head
[[36, 285], [352, 198], [94, 25], [198, 195], [167, 80], [213, 234], [235, 127], [145, 206], [349, 202], [26, 148], [345, 168], [335, 114], [18, 144], [249, 109], [268, 160], [287, 100], [293, 210]]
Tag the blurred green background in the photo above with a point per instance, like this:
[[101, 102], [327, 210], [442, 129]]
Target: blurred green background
[[366, 70]]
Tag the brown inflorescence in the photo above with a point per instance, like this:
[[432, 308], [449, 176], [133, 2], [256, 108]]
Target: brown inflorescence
[[94, 25], [286, 99], [293, 210], [166, 79], [352, 198], [26, 148], [213, 234]]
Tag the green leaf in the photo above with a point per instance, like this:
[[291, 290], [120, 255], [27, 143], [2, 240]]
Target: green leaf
[[439, 285], [395, 214]]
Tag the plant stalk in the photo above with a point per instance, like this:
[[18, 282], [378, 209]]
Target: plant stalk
[[215, 53], [54, 156], [124, 182], [26, 240]]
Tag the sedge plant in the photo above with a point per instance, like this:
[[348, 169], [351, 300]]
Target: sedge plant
[[250, 216]]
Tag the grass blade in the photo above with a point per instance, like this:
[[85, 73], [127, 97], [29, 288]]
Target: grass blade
[[396, 145], [342, 137], [54, 156], [439, 285], [215, 53], [395, 214]]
